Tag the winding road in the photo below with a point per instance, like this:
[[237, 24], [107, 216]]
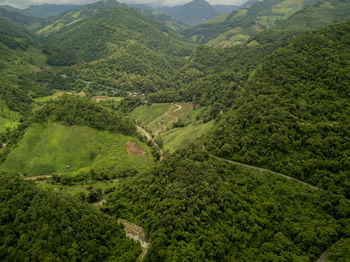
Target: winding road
[[263, 170]]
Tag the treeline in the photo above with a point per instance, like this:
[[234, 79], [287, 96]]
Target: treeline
[[74, 110], [196, 208], [293, 117], [39, 225]]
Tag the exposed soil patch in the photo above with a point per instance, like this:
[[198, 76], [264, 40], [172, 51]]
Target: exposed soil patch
[[137, 233], [37, 177], [134, 149]]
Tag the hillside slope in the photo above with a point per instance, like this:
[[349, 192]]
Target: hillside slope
[[79, 133], [196, 208], [238, 26], [20, 58], [17, 16], [40, 225], [192, 13], [96, 31], [293, 116]]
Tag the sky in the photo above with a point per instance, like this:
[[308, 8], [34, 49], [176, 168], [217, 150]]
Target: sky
[[26, 3]]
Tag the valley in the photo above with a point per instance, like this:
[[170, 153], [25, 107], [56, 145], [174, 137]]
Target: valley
[[194, 132]]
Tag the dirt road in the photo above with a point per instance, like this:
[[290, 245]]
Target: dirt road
[[263, 170]]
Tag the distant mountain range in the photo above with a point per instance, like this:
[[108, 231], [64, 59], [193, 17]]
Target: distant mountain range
[[176, 17], [193, 13], [43, 11]]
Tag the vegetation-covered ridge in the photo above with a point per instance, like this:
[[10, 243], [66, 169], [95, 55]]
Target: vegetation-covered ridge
[[293, 116], [75, 110], [98, 30], [197, 208], [38, 224], [20, 58], [238, 26]]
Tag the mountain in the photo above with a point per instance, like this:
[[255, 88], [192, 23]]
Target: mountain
[[97, 30], [292, 116], [193, 13], [17, 16], [21, 56], [164, 18], [310, 18], [47, 10], [225, 9], [317, 16], [122, 49], [238, 26]]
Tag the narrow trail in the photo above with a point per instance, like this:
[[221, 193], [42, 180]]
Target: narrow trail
[[263, 170], [149, 137], [323, 258], [137, 233], [178, 108], [37, 177]]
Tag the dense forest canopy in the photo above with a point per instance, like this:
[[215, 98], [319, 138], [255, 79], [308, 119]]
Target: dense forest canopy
[[294, 114], [195, 207], [70, 85], [40, 225]]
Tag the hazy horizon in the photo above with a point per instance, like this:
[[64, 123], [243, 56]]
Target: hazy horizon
[[156, 3]]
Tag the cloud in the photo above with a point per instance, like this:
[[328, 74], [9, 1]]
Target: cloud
[[26, 3]]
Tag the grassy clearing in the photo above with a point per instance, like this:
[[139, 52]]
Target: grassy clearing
[[146, 114], [177, 137], [160, 117], [48, 149]]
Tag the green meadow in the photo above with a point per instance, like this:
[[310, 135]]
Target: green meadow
[[148, 113], [50, 148], [177, 137]]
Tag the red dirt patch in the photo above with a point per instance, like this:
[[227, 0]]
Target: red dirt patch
[[134, 149]]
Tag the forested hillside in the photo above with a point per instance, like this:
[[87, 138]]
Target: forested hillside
[[16, 16], [293, 116], [192, 13], [40, 225], [202, 153], [20, 57], [197, 208], [98, 30], [113, 47], [164, 18]]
